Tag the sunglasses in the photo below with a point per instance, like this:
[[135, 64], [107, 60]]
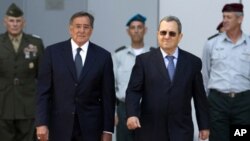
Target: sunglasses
[[170, 33]]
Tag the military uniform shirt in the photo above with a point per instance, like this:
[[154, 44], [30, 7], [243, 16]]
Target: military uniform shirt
[[16, 41], [123, 61], [18, 72], [226, 66]]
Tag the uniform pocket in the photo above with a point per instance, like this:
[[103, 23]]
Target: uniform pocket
[[244, 67]]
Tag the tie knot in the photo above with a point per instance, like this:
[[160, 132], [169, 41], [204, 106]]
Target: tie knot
[[79, 49], [15, 39], [170, 58]]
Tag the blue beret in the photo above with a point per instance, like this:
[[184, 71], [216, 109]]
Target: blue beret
[[137, 17], [14, 11]]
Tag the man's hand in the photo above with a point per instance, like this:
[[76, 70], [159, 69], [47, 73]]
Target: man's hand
[[106, 137], [116, 119], [133, 123], [42, 133], [204, 134]]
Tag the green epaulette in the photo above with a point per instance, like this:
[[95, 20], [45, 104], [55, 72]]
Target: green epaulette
[[120, 48], [211, 37]]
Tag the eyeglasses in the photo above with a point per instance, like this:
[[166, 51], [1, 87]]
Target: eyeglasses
[[170, 33]]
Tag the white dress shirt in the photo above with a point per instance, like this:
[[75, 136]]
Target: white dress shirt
[[83, 52]]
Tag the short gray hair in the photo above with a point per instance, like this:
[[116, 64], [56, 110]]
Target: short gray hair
[[83, 14], [239, 14]]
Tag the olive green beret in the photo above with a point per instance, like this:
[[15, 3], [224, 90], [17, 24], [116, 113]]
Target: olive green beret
[[14, 11]]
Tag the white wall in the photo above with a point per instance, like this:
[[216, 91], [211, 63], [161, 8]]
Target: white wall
[[111, 18], [199, 20], [50, 25], [246, 22]]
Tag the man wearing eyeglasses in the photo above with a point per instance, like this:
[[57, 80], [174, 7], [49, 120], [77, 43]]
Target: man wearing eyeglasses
[[226, 73], [161, 86]]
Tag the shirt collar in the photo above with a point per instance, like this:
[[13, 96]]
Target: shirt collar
[[241, 40], [175, 54], [130, 49], [84, 47], [19, 37]]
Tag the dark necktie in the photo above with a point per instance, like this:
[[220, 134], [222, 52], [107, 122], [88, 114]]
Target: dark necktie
[[171, 67], [78, 62]]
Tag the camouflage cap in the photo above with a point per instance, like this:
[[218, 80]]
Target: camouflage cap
[[14, 11]]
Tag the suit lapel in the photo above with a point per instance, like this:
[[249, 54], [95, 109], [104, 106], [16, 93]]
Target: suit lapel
[[89, 61], [68, 57], [7, 43], [180, 66], [23, 44], [161, 64]]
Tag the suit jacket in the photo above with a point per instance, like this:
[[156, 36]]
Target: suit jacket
[[18, 73], [61, 95], [164, 107]]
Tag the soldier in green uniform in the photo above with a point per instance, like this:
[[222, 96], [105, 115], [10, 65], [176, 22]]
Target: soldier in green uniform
[[19, 55]]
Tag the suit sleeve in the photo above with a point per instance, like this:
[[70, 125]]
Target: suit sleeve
[[135, 89], [115, 68], [206, 65], [108, 95], [200, 99], [43, 90], [40, 52]]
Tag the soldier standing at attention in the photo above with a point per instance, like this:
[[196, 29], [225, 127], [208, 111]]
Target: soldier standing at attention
[[124, 60], [19, 55]]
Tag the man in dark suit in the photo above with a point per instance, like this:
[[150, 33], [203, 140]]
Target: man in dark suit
[[76, 101], [19, 55], [161, 86]]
